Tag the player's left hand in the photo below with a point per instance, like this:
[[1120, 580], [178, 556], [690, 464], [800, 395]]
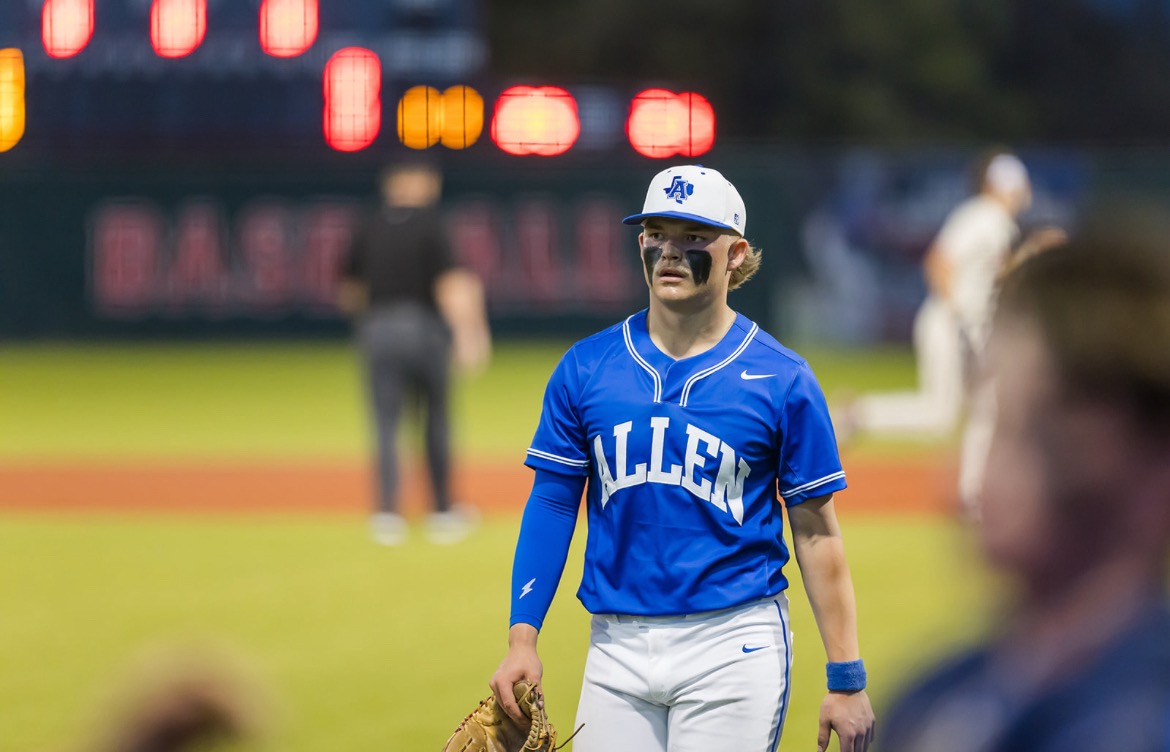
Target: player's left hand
[[850, 715]]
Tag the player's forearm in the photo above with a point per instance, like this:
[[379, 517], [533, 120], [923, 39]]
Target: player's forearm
[[459, 296], [938, 273], [829, 584]]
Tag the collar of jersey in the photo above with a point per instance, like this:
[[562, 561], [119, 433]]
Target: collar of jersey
[[667, 371]]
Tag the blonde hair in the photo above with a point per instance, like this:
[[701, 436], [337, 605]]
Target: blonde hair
[[746, 270]]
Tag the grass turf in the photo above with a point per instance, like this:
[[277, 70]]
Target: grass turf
[[362, 648], [368, 648], [275, 400]]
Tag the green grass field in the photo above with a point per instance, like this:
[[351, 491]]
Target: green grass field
[[359, 647]]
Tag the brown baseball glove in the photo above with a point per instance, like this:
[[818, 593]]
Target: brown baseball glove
[[489, 729]]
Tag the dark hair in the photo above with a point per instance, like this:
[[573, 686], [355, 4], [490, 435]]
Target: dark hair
[[1102, 304]]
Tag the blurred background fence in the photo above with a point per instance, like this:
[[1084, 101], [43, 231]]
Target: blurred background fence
[[231, 249]]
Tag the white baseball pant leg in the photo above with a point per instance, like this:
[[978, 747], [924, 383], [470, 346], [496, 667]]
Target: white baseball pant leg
[[976, 447], [933, 409], [714, 682]]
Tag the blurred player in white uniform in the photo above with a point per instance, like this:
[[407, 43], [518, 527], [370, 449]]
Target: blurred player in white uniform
[[950, 330]]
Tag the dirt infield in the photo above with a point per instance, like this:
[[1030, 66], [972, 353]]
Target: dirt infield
[[907, 484]]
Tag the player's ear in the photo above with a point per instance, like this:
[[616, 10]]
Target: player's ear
[[737, 252]]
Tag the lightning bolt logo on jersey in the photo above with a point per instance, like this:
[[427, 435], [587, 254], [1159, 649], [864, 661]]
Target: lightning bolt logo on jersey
[[683, 459]]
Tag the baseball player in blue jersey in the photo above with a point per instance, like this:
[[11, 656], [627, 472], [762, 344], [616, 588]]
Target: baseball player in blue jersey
[[679, 425]]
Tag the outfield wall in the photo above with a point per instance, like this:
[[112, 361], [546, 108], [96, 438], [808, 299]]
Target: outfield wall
[[186, 247]]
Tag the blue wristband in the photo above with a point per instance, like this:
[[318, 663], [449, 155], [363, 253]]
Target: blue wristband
[[847, 676]]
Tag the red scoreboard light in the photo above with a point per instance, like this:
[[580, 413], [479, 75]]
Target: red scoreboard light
[[663, 124], [66, 26], [177, 27], [288, 27], [541, 121], [353, 99], [11, 98]]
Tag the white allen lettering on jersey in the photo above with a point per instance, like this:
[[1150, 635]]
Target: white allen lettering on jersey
[[694, 461], [608, 485], [728, 493], [621, 433], [725, 492], [656, 475]]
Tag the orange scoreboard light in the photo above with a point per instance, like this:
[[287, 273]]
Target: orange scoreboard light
[[11, 98], [663, 124], [420, 117], [427, 117], [535, 120], [66, 26], [353, 99], [462, 117], [288, 27]]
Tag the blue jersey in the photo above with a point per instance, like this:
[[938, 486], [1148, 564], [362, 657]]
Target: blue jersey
[[683, 459]]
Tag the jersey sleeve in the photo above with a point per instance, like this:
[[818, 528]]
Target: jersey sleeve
[[559, 444], [810, 465]]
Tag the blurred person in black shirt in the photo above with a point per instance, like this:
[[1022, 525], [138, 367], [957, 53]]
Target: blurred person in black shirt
[[1076, 512], [415, 309]]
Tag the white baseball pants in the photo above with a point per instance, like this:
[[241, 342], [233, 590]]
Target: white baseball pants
[[711, 682]]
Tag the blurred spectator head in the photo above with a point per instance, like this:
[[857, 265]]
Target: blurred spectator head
[[412, 182], [1079, 470]]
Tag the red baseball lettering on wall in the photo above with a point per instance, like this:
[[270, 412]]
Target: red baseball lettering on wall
[[475, 235], [536, 242], [327, 229], [267, 257], [601, 271], [126, 240], [285, 257], [198, 276]]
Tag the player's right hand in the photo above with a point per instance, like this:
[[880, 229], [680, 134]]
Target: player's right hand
[[851, 716], [521, 662]]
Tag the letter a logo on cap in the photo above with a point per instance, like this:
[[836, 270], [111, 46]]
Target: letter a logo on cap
[[679, 189], [696, 194]]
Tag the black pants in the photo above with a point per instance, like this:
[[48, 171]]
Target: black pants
[[406, 348]]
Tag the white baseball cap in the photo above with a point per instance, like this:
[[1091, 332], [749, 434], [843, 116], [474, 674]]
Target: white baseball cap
[[1006, 173], [693, 192]]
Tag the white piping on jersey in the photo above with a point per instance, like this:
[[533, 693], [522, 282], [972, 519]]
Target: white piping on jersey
[[557, 458], [813, 484], [642, 361], [686, 392]]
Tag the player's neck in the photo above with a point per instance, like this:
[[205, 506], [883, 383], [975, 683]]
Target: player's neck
[[683, 334]]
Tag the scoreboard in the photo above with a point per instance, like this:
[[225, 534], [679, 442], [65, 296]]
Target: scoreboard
[[251, 77], [217, 74]]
